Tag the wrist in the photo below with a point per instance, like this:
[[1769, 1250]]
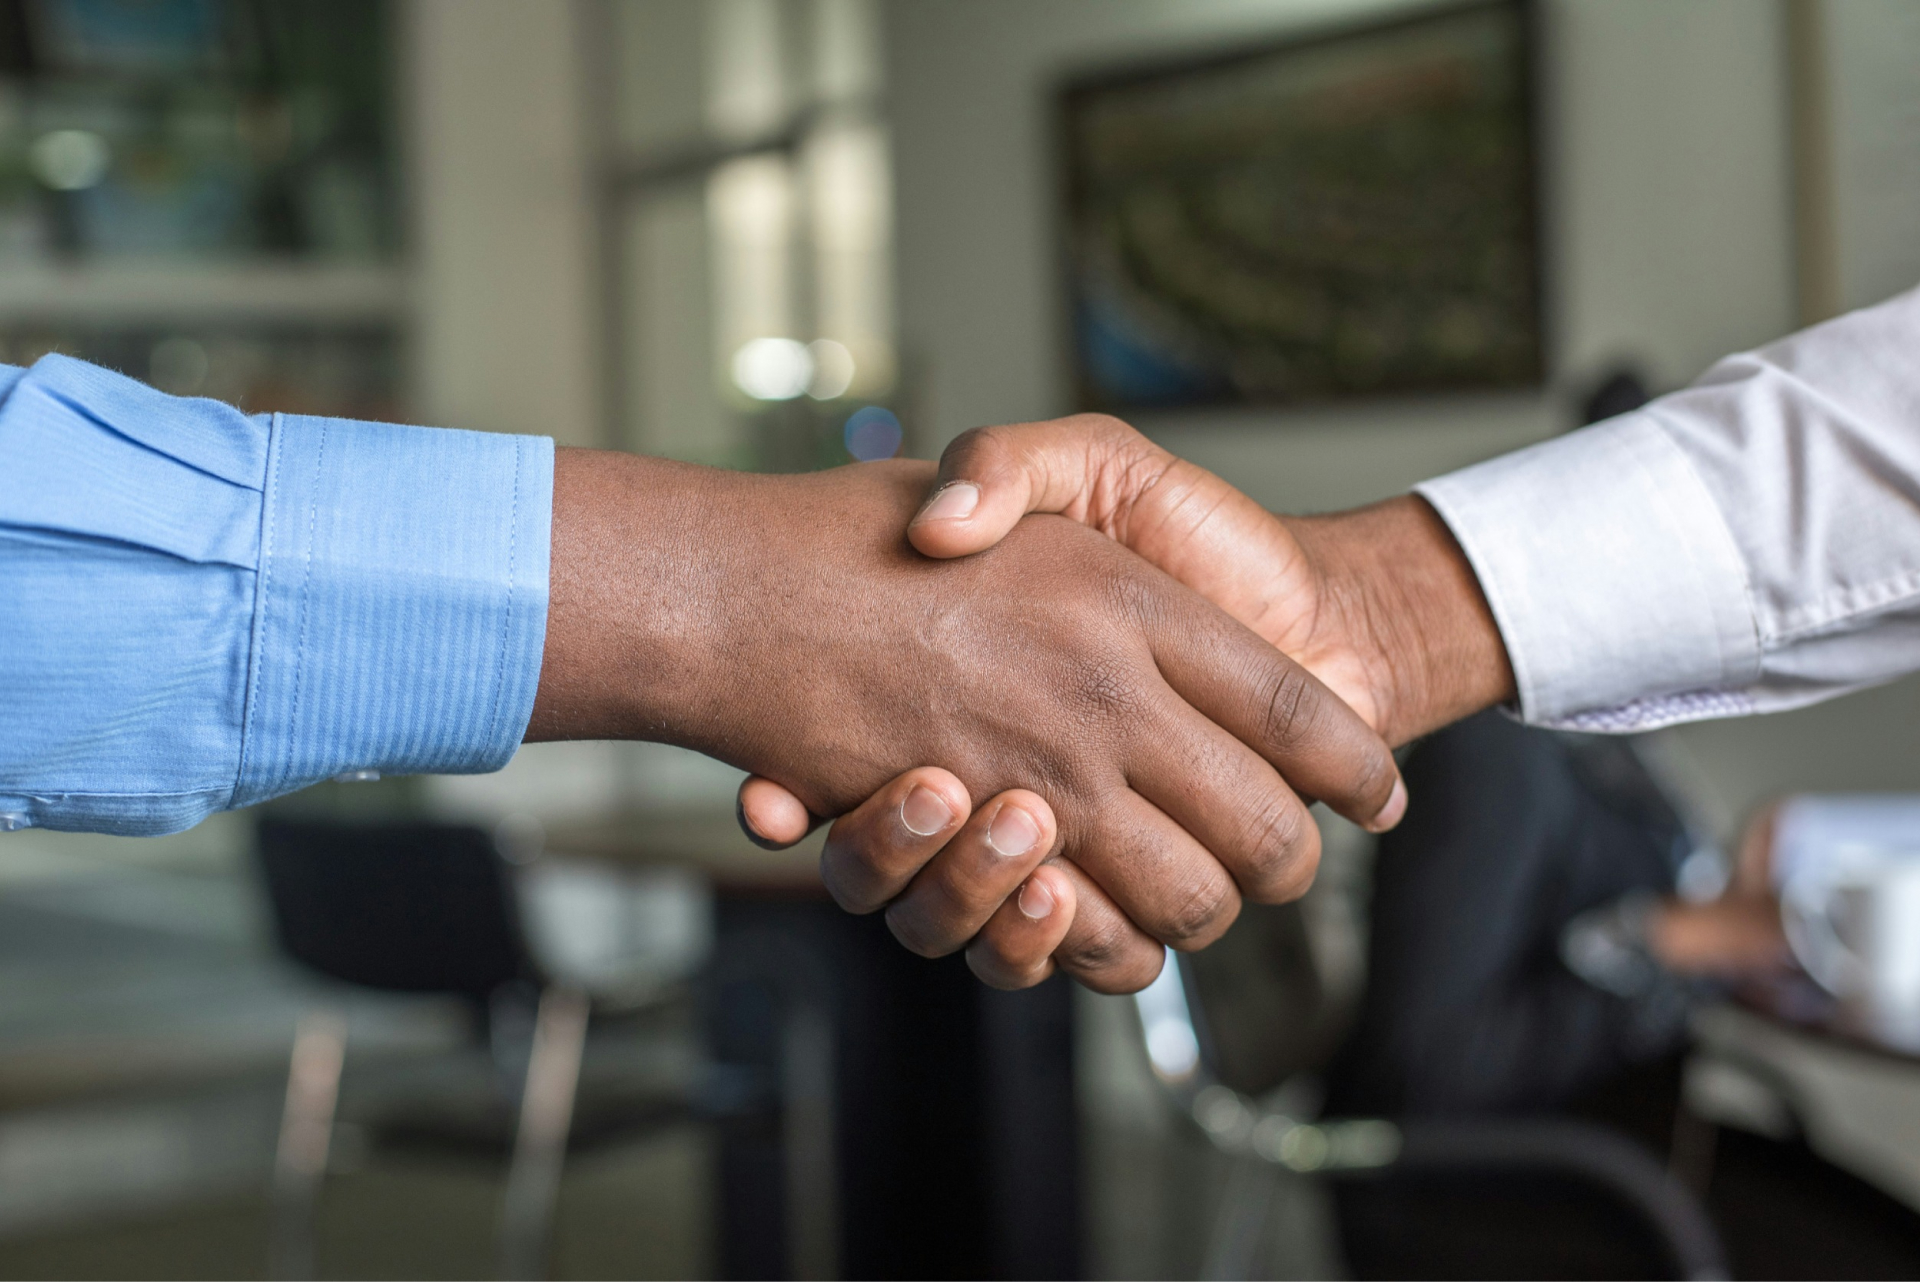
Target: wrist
[[1398, 590], [632, 582]]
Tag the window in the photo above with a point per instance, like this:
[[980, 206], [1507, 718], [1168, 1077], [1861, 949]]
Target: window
[[748, 216]]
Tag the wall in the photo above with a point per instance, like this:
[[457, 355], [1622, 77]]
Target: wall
[[1873, 48], [1666, 240], [1664, 135], [497, 168]]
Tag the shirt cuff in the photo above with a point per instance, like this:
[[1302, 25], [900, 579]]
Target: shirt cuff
[[401, 606], [1612, 576]]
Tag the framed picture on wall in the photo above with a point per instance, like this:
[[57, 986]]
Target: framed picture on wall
[[1344, 216]]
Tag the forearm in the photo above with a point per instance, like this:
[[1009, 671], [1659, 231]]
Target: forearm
[[1398, 587], [705, 608], [632, 577]]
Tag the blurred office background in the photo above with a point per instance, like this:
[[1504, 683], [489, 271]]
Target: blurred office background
[[785, 234]]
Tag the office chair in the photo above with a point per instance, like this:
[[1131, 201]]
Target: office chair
[[413, 908], [1234, 1101]]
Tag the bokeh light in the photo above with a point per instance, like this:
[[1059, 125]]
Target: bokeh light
[[873, 432], [70, 159], [773, 369], [832, 369]]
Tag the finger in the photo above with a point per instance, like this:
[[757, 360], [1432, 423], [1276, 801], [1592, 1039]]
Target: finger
[[1261, 697], [1015, 948], [1169, 886], [874, 850], [981, 867], [1232, 803], [1096, 470], [990, 477], [1103, 949], [771, 816]]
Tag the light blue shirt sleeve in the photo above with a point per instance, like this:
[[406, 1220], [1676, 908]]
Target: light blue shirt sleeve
[[201, 609]]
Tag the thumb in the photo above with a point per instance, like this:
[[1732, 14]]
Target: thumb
[[990, 477]]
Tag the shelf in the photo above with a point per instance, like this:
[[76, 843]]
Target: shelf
[[125, 294]]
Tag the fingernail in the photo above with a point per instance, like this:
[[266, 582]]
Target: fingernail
[[925, 812], [952, 503], [1012, 832], [1036, 901], [1390, 813]]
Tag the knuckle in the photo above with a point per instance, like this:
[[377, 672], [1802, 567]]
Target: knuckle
[[966, 898], [996, 970], [1202, 915], [1284, 855], [1292, 711], [1122, 975], [1094, 423], [849, 884], [1132, 592], [1373, 776], [989, 971], [1067, 771], [916, 934], [859, 903], [1109, 688], [973, 448], [1096, 947]]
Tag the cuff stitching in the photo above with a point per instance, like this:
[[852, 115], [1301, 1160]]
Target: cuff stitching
[[306, 583], [1655, 713], [263, 582], [1847, 605], [513, 583]]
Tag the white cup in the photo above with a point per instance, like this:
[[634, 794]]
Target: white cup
[[1853, 920]]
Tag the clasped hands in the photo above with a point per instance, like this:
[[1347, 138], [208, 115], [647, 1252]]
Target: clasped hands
[[1145, 674]]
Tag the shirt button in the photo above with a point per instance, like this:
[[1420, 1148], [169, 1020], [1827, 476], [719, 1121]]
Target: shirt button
[[357, 776], [14, 820]]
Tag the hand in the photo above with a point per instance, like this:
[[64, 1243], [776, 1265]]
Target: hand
[[939, 868], [1730, 937], [1379, 604], [1738, 934], [783, 625]]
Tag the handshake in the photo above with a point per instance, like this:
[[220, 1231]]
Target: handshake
[[1146, 675]]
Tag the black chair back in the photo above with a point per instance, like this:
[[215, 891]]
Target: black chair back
[[407, 907]]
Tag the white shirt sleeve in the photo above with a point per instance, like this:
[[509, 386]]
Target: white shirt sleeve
[[1749, 544]]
